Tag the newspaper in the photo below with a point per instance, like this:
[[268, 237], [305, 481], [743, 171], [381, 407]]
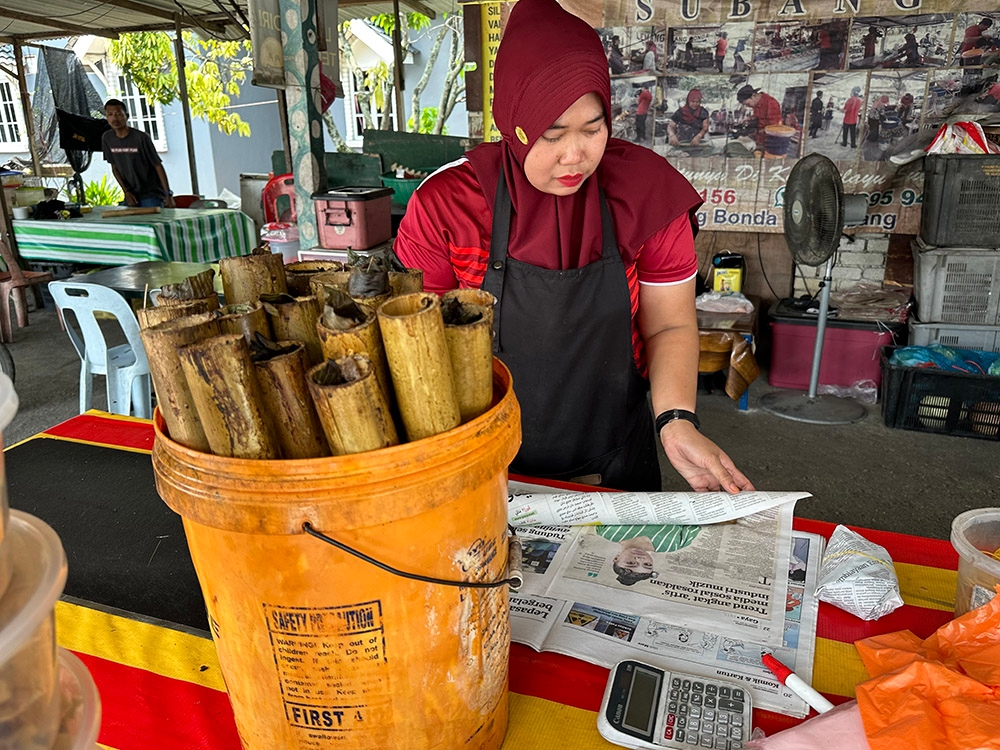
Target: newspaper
[[587, 628], [531, 505]]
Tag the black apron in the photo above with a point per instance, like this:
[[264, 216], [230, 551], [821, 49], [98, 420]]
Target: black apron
[[567, 338]]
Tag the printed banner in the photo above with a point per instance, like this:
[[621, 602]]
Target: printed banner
[[265, 37]]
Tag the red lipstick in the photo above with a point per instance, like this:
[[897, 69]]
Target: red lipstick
[[571, 180]]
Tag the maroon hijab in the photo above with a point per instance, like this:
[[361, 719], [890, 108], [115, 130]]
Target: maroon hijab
[[548, 59]]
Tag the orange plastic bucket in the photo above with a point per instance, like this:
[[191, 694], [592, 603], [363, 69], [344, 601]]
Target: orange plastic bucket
[[321, 649]]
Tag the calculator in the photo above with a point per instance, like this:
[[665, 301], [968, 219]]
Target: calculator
[[648, 707]]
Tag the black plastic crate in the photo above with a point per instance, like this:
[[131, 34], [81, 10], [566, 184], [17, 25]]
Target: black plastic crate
[[941, 401], [961, 200]]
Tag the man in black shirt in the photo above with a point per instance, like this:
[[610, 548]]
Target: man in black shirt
[[134, 161]]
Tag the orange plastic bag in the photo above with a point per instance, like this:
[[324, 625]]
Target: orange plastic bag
[[935, 694]]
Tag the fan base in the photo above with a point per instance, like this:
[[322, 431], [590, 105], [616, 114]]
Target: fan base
[[797, 405]]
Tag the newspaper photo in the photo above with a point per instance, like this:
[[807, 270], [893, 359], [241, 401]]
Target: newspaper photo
[[591, 629]]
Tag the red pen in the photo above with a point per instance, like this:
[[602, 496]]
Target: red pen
[[796, 684]]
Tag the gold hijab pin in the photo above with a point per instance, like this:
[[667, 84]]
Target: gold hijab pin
[[521, 136]]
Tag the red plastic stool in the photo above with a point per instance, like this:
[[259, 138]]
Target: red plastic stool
[[277, 187]]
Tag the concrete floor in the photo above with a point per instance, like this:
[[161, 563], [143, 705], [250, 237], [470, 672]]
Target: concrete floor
[[862, 474]]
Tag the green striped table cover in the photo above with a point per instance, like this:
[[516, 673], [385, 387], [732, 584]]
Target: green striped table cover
[[187, 235]]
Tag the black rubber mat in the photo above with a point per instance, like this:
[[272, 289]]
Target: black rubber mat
[[125, 547]]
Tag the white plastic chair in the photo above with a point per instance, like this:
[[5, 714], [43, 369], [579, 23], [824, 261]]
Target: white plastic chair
[[124, 367]]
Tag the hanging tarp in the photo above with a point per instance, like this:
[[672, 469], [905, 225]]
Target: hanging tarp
[[61, 82]]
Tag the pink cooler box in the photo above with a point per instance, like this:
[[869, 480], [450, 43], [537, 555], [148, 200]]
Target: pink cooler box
[[355, 218], [850, 349]]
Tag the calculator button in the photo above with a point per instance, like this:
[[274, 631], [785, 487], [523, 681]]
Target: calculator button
[[724, 692], [694, 725], [706, 741], [736, 745], [698, 687], [695, 711], [737, 694], [707, 727], [692, 739], [728, 705], [668, 733], [736, 733], [723, 717], [672, 706], [721, 744], [709, 714], [696, 699], [683, 708], [675, 682], [671, 720], [711, 689], [736, 721], [685, 696], [679, 735], [710, 700], [722, 731], [674, 694]]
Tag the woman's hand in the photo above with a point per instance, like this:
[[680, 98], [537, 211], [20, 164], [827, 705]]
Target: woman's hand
[[704, 465]]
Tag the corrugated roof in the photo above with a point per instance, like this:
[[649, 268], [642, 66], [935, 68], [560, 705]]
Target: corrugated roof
[[26, 20]]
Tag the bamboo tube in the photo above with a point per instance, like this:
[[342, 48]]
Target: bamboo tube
[[246, 277], [322, 283], [245, 319], [173, 396], [294, 319], [413, 336], [473, 297], [152, 316], [406, 282], [281, 374], [468, 332], [363, 337], [298, 274], [199, 286], [224, 388], [351, 406]]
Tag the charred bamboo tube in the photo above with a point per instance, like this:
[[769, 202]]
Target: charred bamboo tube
[[246, 277], [467, 331], [224, 388], [351, 406], [281, 374], [246, 319], [409, 281], [298, 274], [415, 347], [199, 286], [152, 316], [360, 335], [294, 319], [321, 283], [162, 343], [473, 297]]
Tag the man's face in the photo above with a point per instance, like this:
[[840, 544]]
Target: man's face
[[634, 560], [115, 116]]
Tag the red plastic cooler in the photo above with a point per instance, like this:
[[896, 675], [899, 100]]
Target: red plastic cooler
[[355, 218]]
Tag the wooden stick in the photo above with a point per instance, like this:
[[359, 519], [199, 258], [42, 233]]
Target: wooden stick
[[246, 277], [468, 332], [351, 407], [224, 388], [294, 319], [415, 347], [173, 396], [363, 337], [152, 316], [281, 374], [245, 319]]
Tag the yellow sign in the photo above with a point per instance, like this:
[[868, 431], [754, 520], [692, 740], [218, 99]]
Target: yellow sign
[[492, 30]]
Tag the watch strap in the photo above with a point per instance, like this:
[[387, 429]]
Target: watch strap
[[665, 417]]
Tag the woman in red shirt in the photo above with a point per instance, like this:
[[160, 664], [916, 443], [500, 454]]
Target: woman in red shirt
[[587, 243]]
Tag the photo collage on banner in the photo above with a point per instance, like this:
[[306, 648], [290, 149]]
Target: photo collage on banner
[[710, 97]]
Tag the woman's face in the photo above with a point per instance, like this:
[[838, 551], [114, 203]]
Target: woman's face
[[569, 151], [634, 560]]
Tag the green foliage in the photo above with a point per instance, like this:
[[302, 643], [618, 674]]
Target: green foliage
[[103, 193], [214, 72], [428, 119], [387, 22]]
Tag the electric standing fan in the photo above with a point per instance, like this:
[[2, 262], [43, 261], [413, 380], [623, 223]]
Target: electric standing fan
[[816, 212]]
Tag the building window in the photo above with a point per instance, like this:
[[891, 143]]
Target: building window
[[142, 114], [11, 119], [353, 115]]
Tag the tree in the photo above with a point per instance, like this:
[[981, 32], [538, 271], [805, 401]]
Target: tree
[[214, 71]]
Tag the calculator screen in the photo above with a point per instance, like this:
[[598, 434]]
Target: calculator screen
[[642, 695]]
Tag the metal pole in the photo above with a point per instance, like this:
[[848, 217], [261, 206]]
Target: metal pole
[[286, 143], [29, 124], [185, 105], [824, 308], [397, 55]]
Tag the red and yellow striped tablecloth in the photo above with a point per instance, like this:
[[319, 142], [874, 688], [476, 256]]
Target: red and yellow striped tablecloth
[[161, 688]]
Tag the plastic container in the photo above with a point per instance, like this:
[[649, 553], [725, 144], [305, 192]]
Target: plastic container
[[353, 217], [961, 200], [29, 196], [956, 284], [402, 187], [975, 535], [283, 238], [29, 673], [941, 401], [320, 649], [986, 338], [80, 720], [8, 408], [850, 349]]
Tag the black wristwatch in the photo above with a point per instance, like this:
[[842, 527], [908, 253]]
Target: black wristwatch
[[665, 417]]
